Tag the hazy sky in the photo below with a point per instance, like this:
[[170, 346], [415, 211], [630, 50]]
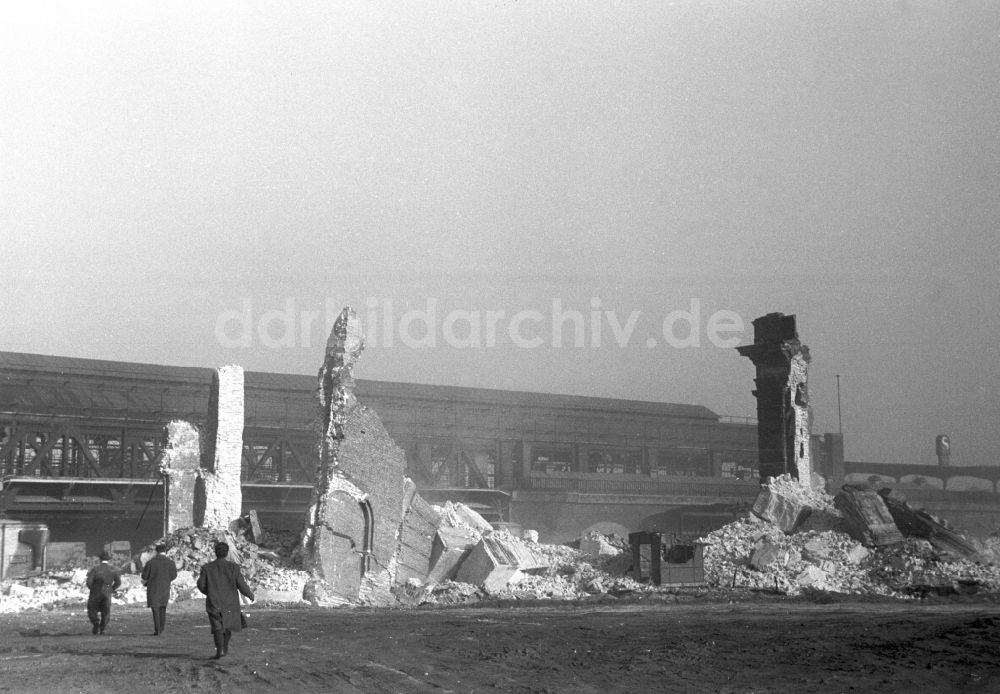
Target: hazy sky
[[189, 183]]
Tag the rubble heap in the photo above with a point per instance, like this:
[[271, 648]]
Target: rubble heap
[[265, 568], [753, 553], [831, 552], [518, 568], [270, 570], [461, 517]]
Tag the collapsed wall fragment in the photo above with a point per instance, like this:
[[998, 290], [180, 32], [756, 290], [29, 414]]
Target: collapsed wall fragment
[[918, 523], [366, 527], [866, 516]]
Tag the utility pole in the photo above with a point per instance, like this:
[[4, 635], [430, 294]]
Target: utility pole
[[840, 419]]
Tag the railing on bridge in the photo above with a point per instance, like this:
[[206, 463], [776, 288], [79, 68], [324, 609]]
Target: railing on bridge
[[661, 486], [923, 495], [899, 471]]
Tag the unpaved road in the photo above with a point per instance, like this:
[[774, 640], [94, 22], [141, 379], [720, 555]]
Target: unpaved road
[[757, 646]]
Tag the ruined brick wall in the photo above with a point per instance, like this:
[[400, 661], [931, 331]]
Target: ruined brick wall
[[180, 467], [361, 497], [782, 392], [338, 534], [372, 460], [223, 456], [797, 388], [416, 537]]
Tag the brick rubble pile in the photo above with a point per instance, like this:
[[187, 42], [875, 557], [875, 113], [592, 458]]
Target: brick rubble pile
[[269, 570], [265, 568], [601, 567], [821, 555]]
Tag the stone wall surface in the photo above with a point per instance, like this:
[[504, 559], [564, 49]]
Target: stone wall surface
[[180, 467], [800, 413], [371, 459], [223, 455], [356, 543], [416, 541], [782, 393]]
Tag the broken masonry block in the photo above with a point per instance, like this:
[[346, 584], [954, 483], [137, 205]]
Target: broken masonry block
[[481, 568], [451, 546], [857, 554], [416, 536], [918, 523], [16, 590], [494, 562], [811, 576], [473, 519], [818, 548], [248, 525], [767, 553], [788, 514], [598, 546], [867, 518]]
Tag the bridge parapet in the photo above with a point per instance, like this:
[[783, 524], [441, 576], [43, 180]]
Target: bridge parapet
[[896, 471], [584, 483]]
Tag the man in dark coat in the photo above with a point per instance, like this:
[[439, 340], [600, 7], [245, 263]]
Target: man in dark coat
[[222, 582], [102, 580], [157, 575]]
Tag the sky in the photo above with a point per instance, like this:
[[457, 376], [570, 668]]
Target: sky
[[586, 198]]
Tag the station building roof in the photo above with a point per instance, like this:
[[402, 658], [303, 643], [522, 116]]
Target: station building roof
[[37, 384]]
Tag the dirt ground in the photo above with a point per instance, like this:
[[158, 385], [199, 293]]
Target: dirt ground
[[664, 645]]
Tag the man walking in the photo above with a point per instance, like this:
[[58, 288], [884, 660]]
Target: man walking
[[222, 582], [102, 580], [157, 575]]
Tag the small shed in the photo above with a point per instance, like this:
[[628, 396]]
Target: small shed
[[681, 563]]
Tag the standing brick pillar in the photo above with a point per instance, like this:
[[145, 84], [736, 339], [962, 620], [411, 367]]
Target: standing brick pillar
[[222, 460], [783, 415], [180, 468]]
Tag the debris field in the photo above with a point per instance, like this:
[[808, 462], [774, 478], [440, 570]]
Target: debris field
[[820, 552]]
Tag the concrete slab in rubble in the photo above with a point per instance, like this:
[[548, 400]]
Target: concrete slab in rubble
[[451, 546], [494, 562], [788, 514]]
